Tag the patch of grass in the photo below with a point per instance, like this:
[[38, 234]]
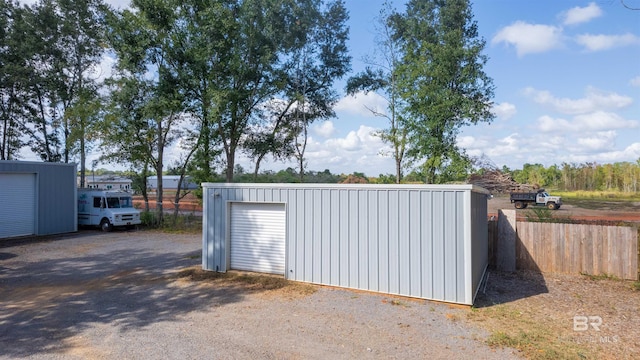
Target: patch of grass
[[257, 282], [598, 195], [543, 214], [534, 338], [636, 286], [399, 303], [180, 224], [534, 345], [599, 277]]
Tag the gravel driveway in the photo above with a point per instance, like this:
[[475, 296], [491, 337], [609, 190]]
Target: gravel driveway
[[113, 296]]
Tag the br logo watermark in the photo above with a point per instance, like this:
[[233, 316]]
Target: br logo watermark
[[583, 323]]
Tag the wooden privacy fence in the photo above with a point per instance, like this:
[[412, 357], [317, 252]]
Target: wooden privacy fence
[[571, 248]]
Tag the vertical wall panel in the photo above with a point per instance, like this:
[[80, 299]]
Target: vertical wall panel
[[415, 239], [344, 237], [438, 238], [426, 236], [363, 239], [334, 235], [372, 241], [393, 255], [383, 241], [403, 242], [325, 236], [353, 238]]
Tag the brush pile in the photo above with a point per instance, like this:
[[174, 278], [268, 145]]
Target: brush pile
[[498, 182]]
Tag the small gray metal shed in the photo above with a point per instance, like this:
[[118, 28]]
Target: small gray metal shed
[[37, 198], [424, 241]]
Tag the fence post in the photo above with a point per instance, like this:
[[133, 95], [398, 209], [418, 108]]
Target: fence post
[[506, 247]]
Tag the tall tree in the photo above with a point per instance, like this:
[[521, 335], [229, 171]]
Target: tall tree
[[14, 77], [442, 80], [380, 76], [316, 64], [81, 48], [43, 60], [236, 59], [148, 106], [48, 51]]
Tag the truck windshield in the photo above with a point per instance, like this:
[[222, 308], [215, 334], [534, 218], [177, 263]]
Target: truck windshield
[[113, 202], [126, 202], [119, 202]]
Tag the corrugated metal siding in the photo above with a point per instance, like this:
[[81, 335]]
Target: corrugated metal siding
[[406, 240], [55, 194]]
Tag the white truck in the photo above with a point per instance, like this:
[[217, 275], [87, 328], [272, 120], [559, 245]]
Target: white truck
[[106, 209], [538, 198]]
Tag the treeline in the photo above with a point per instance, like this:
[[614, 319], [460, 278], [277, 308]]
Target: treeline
[[620, 176]]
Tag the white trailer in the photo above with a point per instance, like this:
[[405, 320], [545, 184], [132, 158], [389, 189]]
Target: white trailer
[[106, 209]]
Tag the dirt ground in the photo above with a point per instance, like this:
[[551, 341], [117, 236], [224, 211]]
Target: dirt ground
[[606, 211], [557, 316]]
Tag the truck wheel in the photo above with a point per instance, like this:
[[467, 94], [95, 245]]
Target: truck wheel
[[105, 225], [519, 205], [551, 206]]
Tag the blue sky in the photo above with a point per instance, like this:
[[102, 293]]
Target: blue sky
[[567, 77]]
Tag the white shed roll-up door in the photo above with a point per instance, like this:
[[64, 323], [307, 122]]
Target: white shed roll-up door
[[17, 204], [257, 237]]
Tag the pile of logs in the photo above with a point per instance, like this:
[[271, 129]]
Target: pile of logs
[[498, 182]]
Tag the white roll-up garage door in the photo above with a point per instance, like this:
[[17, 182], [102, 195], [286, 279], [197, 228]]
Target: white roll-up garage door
[[258, 237], [17, 204]]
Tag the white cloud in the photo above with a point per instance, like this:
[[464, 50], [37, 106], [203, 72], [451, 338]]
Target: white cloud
[[504, 110], [596, 121], [325, 129], [606, 42], [548, 124], [529, 38], [629, 153], [359, 151], [594, 100], [601, 120], [350, 143], [602, 140], [361, 103], [578, 15], [635, 81]]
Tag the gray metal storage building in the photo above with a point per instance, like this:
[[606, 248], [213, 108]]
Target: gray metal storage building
[[37, 198], [424, 241]]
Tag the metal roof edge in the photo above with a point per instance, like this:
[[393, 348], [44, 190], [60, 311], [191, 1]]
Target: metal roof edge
[[456, 187], [37, 163]]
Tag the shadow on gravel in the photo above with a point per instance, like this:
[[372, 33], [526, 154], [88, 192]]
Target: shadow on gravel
[[504, 287], [83, 231], [44, 304]]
